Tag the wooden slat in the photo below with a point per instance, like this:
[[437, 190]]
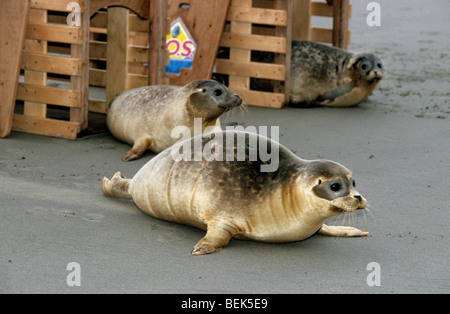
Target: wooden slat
[[53, 5], [254, 42], [321, 34], [49, 95], [259, 98], [321, 9], [49, 127], [137, 24], [55, 32], [325, 35], [98, 30], [238, 13], [251, 69], [52, 64], [97, 77], [137, 54], [98, 50], [97, 106], [13, 19], [100, 20], [135, 80]]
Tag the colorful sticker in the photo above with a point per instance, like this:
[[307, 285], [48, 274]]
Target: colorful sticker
[[181, 47]]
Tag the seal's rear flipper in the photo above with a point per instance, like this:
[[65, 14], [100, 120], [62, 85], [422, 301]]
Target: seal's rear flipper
[[117, 186]]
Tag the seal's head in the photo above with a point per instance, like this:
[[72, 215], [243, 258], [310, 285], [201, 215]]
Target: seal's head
[[369, 67], [335, 187], [210, 99]]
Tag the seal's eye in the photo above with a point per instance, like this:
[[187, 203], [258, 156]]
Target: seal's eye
[[354, 184], [380, 65], [204, 90], [364, 67], [218, 92], [335, 187]]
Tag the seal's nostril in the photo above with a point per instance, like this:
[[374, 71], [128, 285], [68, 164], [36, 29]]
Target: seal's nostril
[[358, 197]]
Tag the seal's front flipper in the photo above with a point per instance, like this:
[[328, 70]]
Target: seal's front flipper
[[139, 148], [331, 95], [342, 231], [217, 237]]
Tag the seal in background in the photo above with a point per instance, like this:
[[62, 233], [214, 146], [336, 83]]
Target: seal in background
[[145, 117]]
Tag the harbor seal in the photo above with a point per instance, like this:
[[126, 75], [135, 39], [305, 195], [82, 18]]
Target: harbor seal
[[233, 198], [322, 75], [144, 117]]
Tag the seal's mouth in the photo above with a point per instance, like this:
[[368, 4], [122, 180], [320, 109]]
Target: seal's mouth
[[237, 101], [344, 207], [374, 76]]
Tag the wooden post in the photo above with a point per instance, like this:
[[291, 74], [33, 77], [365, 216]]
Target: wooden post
[[238, 54], [13, 21], [117, 53], [81, 82], [157, 52], [285, 31], [35, 109], [301, 24], [207, 32], [340, 23]]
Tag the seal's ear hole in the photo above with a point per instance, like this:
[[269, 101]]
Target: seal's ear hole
[[320, 182], [204, 90]]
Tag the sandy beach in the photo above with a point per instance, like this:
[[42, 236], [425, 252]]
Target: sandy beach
[[53, 212]]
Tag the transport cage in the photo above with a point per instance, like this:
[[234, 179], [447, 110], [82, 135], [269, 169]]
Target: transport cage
[[52, 91], [255, 53], [68, 71]]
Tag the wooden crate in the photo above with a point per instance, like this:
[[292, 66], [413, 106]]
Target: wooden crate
[[53, 91], [118, 54], [337, 10], [120, 60], [256, 29]]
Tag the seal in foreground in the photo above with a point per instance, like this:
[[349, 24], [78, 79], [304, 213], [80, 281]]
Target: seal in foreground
[[233, 198], [328, 76], [145, 117]]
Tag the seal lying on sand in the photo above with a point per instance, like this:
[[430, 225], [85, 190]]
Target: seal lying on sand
[[233, 198], [144, 117], [328, 76]]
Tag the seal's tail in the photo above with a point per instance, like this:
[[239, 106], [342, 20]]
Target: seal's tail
[[117, 186]]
